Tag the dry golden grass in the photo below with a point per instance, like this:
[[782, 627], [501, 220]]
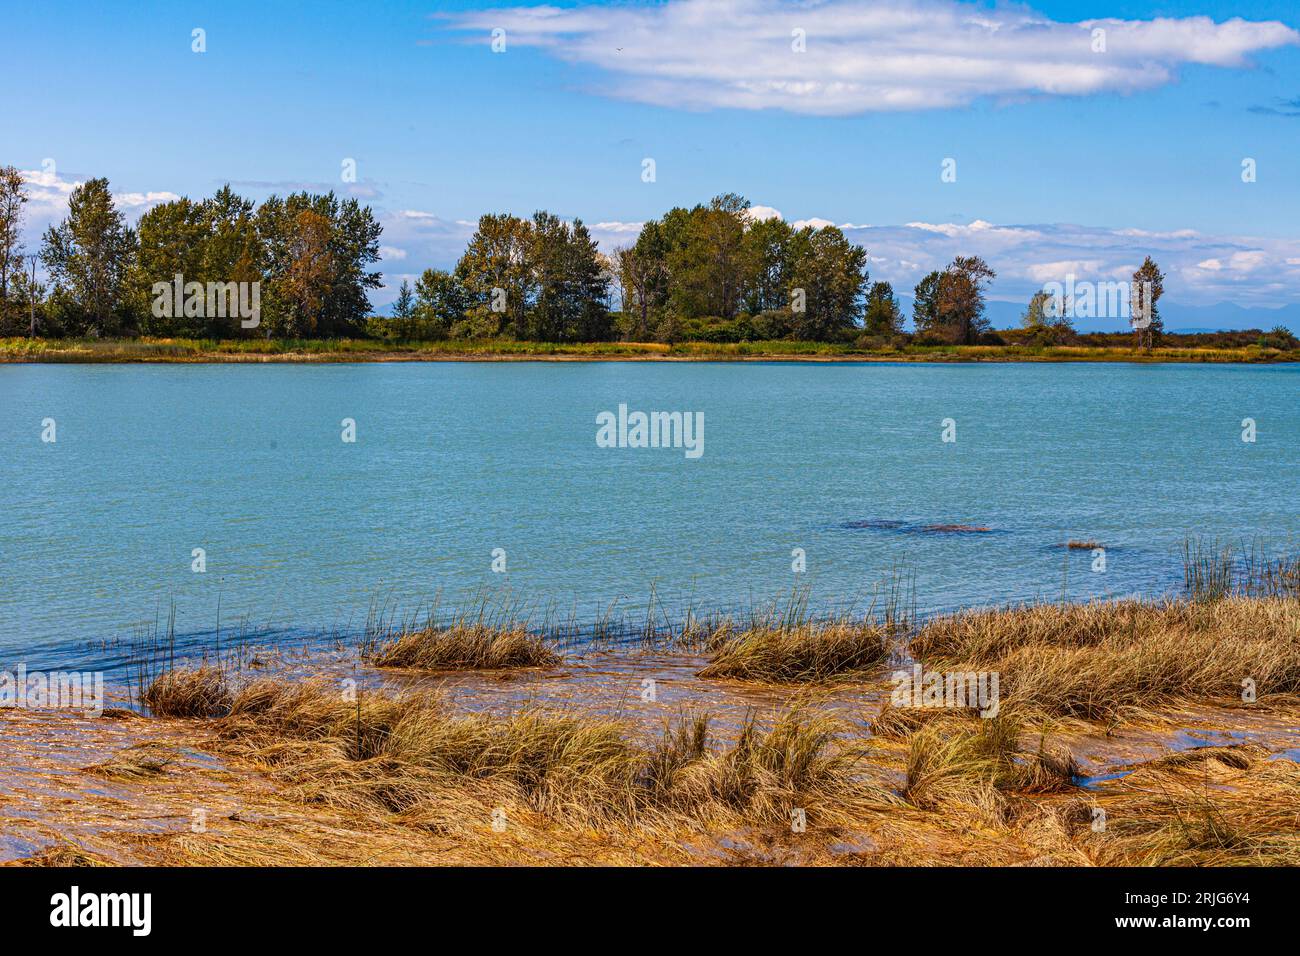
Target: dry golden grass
[[412, 757], [189, 692], [332, 778], [795, 653], [975, 760], [1212, 806], [62, 855], [464, 645], [1108, 661], [899, 723], [141, 761], [1216, 806]]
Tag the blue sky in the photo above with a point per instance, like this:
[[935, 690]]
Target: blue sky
[[1068, 159]]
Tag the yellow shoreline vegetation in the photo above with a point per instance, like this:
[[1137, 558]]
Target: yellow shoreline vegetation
[[176, 350]]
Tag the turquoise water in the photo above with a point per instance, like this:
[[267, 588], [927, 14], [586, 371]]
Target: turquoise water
[[303, 532]]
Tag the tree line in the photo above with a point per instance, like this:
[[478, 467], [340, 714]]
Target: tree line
[[713, 272], [309, 255]]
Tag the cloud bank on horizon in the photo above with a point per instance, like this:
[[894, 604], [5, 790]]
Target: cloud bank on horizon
[[840, 57]]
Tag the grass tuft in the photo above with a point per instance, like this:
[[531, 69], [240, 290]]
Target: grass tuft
[[463, 646], [189, 692], [798, 653], [1114, 660]]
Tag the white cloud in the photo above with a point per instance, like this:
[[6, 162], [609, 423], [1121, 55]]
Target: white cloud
[[392, 252], [143, 201], [863, 57], [47, 200], [1248, 261], [1200, 268], [1057, 271], [631, 229]]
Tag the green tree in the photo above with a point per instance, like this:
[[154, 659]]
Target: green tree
[[706, 261], [569, 282], [1047, 319], [315, 251], [232, 252], [214, 240], [1148, 286], [12, 198], [404, 305], [440, 302], [497, 277], [767, 252], [88, 256], [883, 316], [170, 243], [586, 288], [831, 274], [925, 304], [643, 273]]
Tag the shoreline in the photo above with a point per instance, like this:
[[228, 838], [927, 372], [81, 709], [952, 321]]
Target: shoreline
[[188, 351], [473, 744]]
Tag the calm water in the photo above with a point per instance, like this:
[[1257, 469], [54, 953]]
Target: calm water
[[303, 531]]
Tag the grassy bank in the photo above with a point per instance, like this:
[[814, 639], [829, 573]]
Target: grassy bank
[[1123, 732], [364, 350], [319, 770]]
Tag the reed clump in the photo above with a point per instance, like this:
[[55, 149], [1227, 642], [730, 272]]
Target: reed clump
[[463, 646], [978, 761], [792, 654], [1113, 660], [786, 645], [189, 692]]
